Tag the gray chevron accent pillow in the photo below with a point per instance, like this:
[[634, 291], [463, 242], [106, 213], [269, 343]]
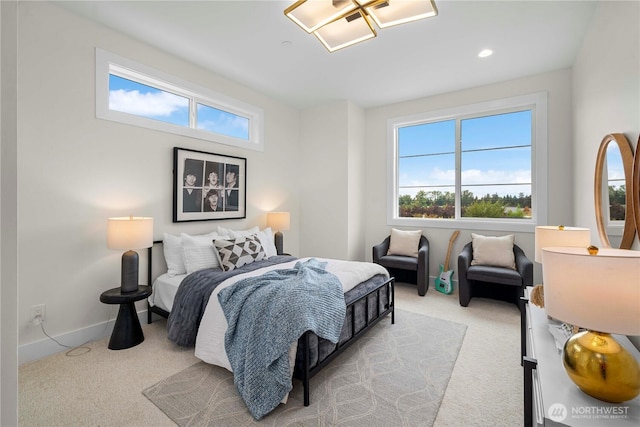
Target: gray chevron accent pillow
[[234, 253]]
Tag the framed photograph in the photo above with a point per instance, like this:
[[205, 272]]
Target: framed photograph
[[208, 186]]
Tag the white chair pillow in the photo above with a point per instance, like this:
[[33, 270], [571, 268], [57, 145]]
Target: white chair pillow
[[496, 251], [404, 242]]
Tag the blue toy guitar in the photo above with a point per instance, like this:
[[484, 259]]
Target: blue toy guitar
[[444, 282]]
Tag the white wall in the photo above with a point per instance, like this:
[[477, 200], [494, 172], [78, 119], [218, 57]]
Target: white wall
[[324, 181], [560, 209], [8, 215], [606, 95], [356, 165], [75, 171]]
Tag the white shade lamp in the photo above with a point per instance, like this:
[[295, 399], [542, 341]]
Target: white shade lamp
[[598, 291], [279, 221], [129, 233], [559, 235]]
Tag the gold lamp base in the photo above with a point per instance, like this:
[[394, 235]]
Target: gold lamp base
[[601, 367]]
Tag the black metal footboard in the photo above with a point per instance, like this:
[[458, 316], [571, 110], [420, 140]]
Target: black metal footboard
[[306, 372]]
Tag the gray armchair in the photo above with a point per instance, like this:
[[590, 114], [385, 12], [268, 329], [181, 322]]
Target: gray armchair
[[493, 282], [406, 268]]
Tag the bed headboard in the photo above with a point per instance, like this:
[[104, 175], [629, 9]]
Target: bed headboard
[[156, 265]]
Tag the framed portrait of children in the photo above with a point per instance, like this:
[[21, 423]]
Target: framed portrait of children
[[208, 186]]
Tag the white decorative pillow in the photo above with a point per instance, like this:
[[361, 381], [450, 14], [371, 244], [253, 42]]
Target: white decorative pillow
[[496, 251], [198, 252], [266, 240], [172, 246], [404, 242], [237, 233], [235, 253]]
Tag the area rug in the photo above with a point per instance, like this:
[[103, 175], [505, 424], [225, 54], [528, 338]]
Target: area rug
[[394, 375]]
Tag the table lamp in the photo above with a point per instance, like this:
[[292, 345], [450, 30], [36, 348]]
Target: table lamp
[[279, 221], [129, 233], [599, 292], [559, 235]]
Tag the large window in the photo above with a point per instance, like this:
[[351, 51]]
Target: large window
[[131, 93], [481, 164]]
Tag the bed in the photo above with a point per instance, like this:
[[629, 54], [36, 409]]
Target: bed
[[367, 289]]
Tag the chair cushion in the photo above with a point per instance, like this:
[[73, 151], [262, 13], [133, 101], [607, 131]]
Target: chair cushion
[[496, 251], [404, 242], [486, 273], [398, 261]]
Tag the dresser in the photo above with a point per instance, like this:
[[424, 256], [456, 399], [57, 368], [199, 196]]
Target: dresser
[[550, 397]]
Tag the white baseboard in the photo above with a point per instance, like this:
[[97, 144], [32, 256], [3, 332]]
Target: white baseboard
[[46, 347]]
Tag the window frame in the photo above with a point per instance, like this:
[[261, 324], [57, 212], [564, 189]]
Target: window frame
[[108, 63], [537, 102]]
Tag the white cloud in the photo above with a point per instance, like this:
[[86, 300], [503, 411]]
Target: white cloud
[[146, 104], [227, 124], [438, 177]]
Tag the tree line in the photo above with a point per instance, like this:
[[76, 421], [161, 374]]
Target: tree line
[[441, 204]]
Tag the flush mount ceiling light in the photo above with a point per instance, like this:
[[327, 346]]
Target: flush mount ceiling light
[[341, 23]]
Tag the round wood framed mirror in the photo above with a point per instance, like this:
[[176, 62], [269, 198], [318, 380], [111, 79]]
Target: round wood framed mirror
[[604, 211], [635, 189]]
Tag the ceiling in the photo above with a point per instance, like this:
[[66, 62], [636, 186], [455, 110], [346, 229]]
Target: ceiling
[[255, 44]]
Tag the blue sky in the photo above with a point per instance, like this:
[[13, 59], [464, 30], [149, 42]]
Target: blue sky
[[427, 155], [135, 98]]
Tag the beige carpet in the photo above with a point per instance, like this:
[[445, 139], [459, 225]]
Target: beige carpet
[[394, 375], [104, 387]]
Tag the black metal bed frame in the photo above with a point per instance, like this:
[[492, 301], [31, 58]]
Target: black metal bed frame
[[307, 372]]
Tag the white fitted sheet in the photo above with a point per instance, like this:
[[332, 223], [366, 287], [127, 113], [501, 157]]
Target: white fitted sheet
[[164, 291]]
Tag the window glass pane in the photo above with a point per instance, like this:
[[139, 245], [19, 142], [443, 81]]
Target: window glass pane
[[428, 138], [138, 99], [502, 166], [501, 130], [426, 170], [222, 122], [616, 184], [497, 201], [427, 202]]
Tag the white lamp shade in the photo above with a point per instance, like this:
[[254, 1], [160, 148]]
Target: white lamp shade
[[597, 292], [550, 236], [279, 221], [129, 232]]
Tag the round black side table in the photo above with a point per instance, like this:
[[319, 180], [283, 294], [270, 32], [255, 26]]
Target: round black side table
[[127, 331]]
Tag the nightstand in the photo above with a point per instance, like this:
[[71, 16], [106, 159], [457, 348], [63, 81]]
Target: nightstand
[[127, 331], [550, 397]]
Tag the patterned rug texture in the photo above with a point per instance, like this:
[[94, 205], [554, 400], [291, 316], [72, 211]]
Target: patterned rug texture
[[394, 375]]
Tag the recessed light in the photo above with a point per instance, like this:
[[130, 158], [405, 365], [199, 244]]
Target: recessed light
[[484, 53], [286, 44]]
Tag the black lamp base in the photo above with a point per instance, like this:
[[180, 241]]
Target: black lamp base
[[129, 270], [278, 240]]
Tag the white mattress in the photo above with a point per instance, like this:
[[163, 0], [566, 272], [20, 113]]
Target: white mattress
[[164, 291]]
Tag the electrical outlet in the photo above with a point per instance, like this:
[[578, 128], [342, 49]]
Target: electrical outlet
[[37, 314]]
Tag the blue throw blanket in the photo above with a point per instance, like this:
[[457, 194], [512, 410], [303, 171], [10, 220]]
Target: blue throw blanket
[[266, 315]]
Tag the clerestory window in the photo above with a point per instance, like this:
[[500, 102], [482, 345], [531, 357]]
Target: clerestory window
[[132, 93]]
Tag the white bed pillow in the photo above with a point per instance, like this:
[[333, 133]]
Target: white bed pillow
[[237, 233], [236, 252], [172, 246], [496, 251], [404, 243], [198, 251], [266, 239]]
